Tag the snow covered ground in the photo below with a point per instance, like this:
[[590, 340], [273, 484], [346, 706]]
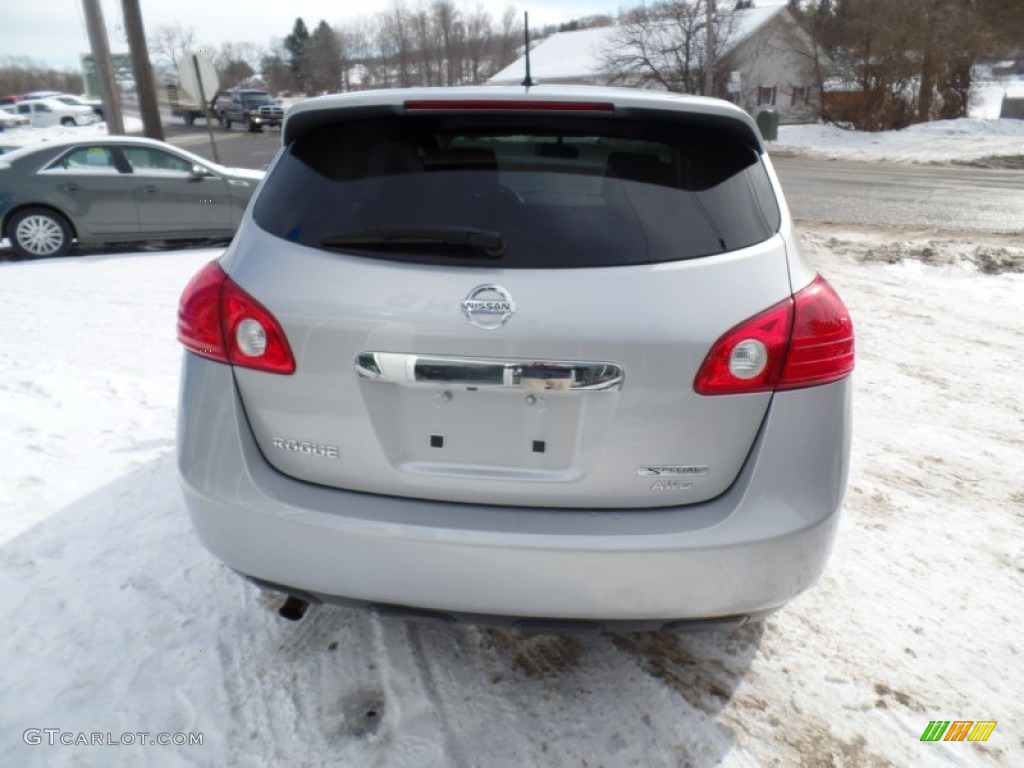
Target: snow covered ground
[[116, 621], [943, 141], [22, 137], [980, 135]]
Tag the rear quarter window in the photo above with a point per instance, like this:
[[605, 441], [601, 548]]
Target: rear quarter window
[[560, 192]]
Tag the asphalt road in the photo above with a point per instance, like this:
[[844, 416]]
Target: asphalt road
[[237, 148], [916, 196], [944, 197]]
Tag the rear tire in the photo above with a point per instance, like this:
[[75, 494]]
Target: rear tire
[[37, 233], [189, 118], [225, 123]]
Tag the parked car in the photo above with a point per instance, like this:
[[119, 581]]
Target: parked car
[[9, 118], [548, 357], [46, 112], [72, 101], [116, 188]]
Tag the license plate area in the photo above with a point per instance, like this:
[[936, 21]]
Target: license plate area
[[488, 418]]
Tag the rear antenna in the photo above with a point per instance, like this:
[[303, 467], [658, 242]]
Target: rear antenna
[[527, 81]]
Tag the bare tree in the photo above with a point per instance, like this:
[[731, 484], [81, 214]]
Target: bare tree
[[275, 68], [237, 62], [396, 42], [409, 43], [424, 37], [810, 40], [663, 44], [954, 36], [362, 55], [477, 46], [19, 74], [168, 43], [913, 60], [448, 23], [510, 38]]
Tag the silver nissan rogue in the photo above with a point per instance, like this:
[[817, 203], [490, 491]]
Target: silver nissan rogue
[[545, 356]]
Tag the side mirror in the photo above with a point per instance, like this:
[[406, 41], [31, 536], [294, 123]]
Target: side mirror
[[200, 171]]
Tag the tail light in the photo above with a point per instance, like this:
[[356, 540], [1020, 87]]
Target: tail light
[[804, 341], [220, 321]]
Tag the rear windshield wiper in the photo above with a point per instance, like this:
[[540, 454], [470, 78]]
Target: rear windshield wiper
[[447, 241]]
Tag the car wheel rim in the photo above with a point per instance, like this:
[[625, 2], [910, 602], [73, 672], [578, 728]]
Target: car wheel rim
[[40, 235]]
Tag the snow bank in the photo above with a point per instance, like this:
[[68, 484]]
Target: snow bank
[[116, 621], [28, 135], [980, 136], [942, 141]]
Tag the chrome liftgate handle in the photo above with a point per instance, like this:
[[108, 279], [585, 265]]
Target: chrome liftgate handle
[[490, 373]]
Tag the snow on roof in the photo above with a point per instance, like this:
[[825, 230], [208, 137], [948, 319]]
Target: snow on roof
[[564, 54], [578, 54]]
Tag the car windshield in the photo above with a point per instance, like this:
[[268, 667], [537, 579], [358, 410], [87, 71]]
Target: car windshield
[[256, 98], [558, 192]]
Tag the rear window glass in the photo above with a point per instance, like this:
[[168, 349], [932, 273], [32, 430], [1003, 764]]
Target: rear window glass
[[519, 191]]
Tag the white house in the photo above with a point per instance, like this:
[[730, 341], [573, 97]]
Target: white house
[[766, 60]]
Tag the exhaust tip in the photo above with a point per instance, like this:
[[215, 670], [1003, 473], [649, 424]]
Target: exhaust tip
[[293, 609]]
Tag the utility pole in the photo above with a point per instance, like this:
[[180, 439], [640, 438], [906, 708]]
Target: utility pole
[[104, 66], [144, 85], [709, 35]]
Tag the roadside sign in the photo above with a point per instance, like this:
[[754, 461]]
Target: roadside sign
[[198, 76]]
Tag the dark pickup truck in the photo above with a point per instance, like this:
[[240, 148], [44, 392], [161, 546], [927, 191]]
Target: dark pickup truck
[[251, 109]]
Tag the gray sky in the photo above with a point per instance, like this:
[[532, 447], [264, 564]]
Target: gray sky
[[53, 31]]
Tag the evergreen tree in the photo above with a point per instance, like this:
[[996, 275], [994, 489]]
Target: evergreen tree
[[296, 44]]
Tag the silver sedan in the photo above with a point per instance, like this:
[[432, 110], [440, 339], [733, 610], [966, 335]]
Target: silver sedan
[[116, 189]]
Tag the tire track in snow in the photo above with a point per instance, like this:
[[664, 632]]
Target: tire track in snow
[[251, 687], [454, 753], [332, 668], [509, 698], [289, 692], [704, 671]]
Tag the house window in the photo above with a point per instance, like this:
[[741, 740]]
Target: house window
[[801, 95], [766, 96]]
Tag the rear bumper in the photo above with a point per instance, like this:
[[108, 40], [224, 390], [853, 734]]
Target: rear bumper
[[747, 552]]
